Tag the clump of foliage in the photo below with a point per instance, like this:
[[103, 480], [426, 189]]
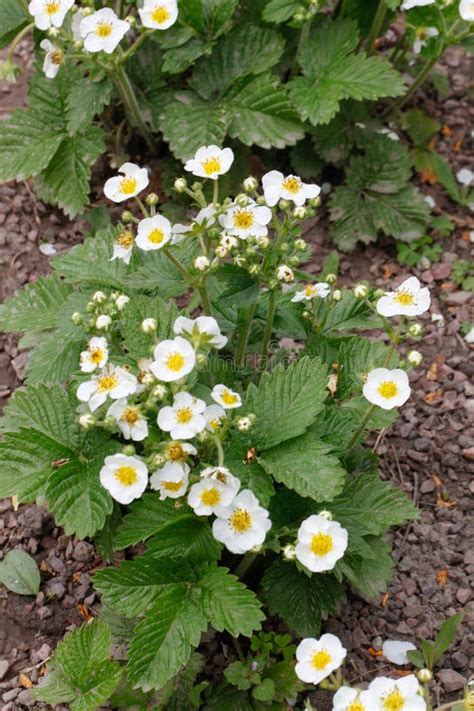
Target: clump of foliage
[[193, 389]]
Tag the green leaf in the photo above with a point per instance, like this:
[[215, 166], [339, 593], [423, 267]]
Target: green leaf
[[183, 683], [251, 474], [280, 10], [54, 358], [446, 635], [147, 516], [86, 101], [178, 59], [305, 465], [419, 126], [19, 573], [80, 671], [141, 307], [158, 274], [229, 604], [190, 122], [302, 601], [187, 537], [356, 357], [332, 72], [13, 17], [416, 658], [34, 308], [75, 264], [369, 573], [133, 587], [286, 402], [434, 165], [384, 168]]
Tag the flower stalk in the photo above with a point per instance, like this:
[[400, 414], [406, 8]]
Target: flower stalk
[[129, 98]]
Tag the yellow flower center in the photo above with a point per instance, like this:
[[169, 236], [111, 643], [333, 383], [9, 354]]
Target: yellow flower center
[[125, 239], [160, 14], [215, 424], [421, 33], [107, 382], [387, 389], [356, 706], [172, 485], [321, 544], [156, 236], [394, 701], [184, 415], [292, 184], [130, 415], [320, 659], [243, 219], [175, 362], [229, 398], [96, 355], [240, 521], [211, 165], [210, 497], [175, 452], [51, 8], [56, 57], [126, 475], [309, 290], [104, 29], [405, 298]]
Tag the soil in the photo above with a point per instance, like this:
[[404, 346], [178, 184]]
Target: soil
[[429, 452]]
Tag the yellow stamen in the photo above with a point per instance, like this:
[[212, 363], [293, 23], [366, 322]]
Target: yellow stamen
[[156, 236], [172, 485], [356, 706], [184, 415], [240, 521], [128, 185], [405, 298], [104, 29], [175, 452], [51, 8], [130, 415], [387, 389], [175, 362], [210, 497], [125, 239], [320, 659], [126, 475], [243, 219], [107, 382], [394, 701], [160, 14], [229, 398], [292, 184], [309, 290], [321, 544], [56, 57], [96, 355], [211, 165], [215, 424]]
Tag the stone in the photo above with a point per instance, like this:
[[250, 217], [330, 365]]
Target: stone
[[82, 551], [463, 595], [451, 680], [4, 666]]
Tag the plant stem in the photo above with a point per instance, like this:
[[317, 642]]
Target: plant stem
[[130, 100], [361, 427], [205, 300], [244, 334], [142, 207], [245, 564], [182, 270], [376, 26], [267, 333], [449, 705], [304, 32], [133, 48], [18, 39], [419, 79], [215, 192], [220, 451]]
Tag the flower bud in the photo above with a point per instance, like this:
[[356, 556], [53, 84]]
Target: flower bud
[[336, 295], [146, 378], [126, 217], [197, 187], [103, 322], [325, 514], [299, 17], [90, 307], [99, 297], [53, 32], [255, 269], [244, 424], [201, 359], [85, 11], [180, 185], [9, 71], [314, 202], [78, 44], [331, 278], [77, 318], [378, 293], [263, 242], [415, 358], [242, 200], [289, 552], [299, 213], [129, 450], [87, 420], [424, 675], [294, 260], [152, 199], [300, 245], [260, 200], [121, 301], [149, 325], [109, 422], [132, 20], [201, 263], [228, 241], [415, 329], [285, 273], [250, 184], [306, 315], [361, 291], [160, 391], [158, 460], [283, 204], [221, 251]]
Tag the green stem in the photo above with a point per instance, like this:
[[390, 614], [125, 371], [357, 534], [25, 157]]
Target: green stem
[[361, 428], [418, 81], [245, 564], [449, 705], [133, 48], [301, 42], [220, 451], [215, 192], [267, 333], [244, 334], [18, 39], [376, 27], [142, 207], [130, 100], [182, 270], [205, 300]]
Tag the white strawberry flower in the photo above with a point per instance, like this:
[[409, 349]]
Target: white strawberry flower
[[224, 476], [153, 232], [321, 543], [159, 14], [210, 162], [95, 356], [123, 246], [387, 388], [317, 658], [203, 330], [171, 480], [242, 525], [49, 13], [409, 299], [176, 451], [125, 478], [204, 218], [400, 694], [408, 4], [53, 59], [114, 382], [466, 10], [173, 359], [132, 181], [423, 34], [277, 186], [243, 222], [285, 273], [348, 699], [102, 31], [322, 289], [184, 419], [395, 651], [225, 397], [214, 416], [210, 496], [131, 422]]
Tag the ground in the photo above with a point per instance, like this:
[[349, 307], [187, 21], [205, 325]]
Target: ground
[[429, 452]]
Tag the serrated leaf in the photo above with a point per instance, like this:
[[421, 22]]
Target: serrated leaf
[[54, 358], [80, 671], [178, 59], [437, 167], [371, 572], [141, 307], [13, 17], [87, 100], [75, 264], [305, 465], [147, 516], [385, 166], [356, 357], [34, 307], [229, 604], [187, 537], [302, 601], [190, 122], [157, 274], [19, 573], [251, 474], [280, 10], [183, 683], [286, 402]]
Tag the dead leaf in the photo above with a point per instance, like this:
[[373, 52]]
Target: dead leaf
[[384, 602], [437, 481], [432, 372], [389, 270], [332, 384], [59, 463], [457, 147], [446, 131], [250, 456], [444, 502], [15, 503], [84, 612], [76, 577], [434, 396], [375, 652], [442, 577], [428, 176], [25, 681]]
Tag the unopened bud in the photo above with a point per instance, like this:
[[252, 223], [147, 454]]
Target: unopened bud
[[87, 421], [99, 297], [306, 315], [331, 278], [283, 204], [180, 185], [285, 273], [197, 187], [424, 675], [121, 301], [336, 295], [415, 358], [126, 217], [152, 199], [129, 450], [242, 200], [294, 260], [289, 552], [158, 460], [53, 32], [103, 322], [314, 202], [250, 184], [201, 263], [221, 251], [160, 392], [77, 318], [300, 245], [415, 329], [201, 359], [78, 44], [244, 424], [109, 422], [360, 291], [132, 20], [261, 200], [378, 293], [149, 325], [299, 213], [263, 242], [326, 514]]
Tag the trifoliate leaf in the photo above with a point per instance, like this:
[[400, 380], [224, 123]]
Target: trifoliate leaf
[[88, 99], [190, 122], [280, 10], [302, 601], [75, 265], [305, 465], [356, 357], [369, 573], [188, 537], [13, 17], [55, 356], [19, 573], [80, 671], [147, 516], [34, 308]]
